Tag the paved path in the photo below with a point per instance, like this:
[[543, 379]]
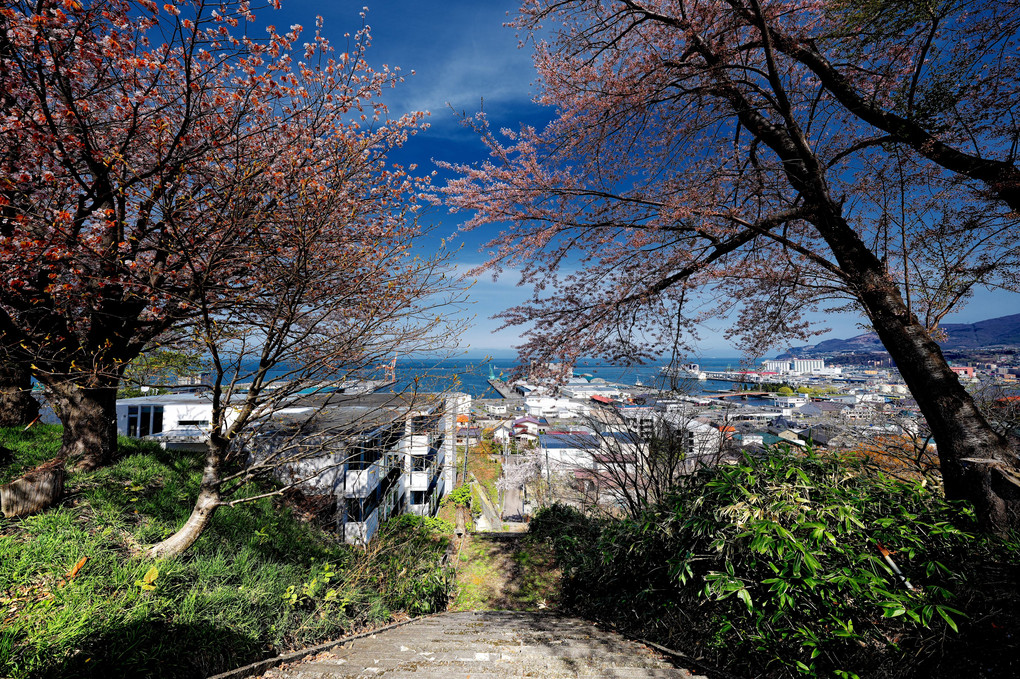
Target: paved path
[[513, 504], [487, 645]]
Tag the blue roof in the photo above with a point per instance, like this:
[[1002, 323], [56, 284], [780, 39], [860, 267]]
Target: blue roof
[[621, 436], [564, 441]]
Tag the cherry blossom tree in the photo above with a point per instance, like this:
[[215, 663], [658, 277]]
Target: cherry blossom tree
[[150, 154], [757, 160]]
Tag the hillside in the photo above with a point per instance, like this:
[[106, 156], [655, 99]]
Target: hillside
[[993, 332]]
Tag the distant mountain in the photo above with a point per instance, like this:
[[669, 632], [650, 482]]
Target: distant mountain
[[994, 332]]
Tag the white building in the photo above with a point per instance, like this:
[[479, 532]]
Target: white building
[[581, 389], [503, 432], [776, 366], [642, 420], [555, 408], [378, 455], [565, 452], [699, 438], [862, 412], [176, 421], [802, 366], [792, 401]]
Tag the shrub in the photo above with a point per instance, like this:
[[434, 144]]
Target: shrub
[[776, 565], [459, 497], [408, 555]]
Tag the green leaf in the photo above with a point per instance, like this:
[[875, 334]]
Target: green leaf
[[945, 616], [745, 596], [149, 578]]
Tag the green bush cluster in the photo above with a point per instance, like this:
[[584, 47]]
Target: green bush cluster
[[776, 566], [459, 496], [409, 556], [402, 570]]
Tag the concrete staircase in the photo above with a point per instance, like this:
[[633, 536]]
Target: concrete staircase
[[487, 645]]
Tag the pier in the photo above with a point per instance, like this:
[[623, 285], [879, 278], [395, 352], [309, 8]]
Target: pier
[[501, 387], [731, 394]]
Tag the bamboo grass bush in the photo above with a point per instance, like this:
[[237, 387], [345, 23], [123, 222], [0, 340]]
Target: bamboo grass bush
[[786, 565]]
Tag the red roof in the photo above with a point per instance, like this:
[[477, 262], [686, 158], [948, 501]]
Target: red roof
[[601, 399]]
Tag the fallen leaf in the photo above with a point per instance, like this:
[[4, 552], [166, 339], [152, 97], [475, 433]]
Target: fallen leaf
[[77, 567]]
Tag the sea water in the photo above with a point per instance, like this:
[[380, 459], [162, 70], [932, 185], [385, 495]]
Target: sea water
[[471, 375]]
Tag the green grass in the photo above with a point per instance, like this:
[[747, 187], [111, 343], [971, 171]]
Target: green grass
[[508, 571], [38, 444], [484, 464], [222, 604]]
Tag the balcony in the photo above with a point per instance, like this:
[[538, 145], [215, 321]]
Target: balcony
[[362, 482], [421, 480], [428, 500], [360, 532], [420, 444]]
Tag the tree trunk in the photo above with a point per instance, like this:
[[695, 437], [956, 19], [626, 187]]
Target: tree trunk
[[17, 405], [977, 463], [89, 416], [209, 500]]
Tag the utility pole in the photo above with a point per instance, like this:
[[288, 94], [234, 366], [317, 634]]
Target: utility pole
[[548, 479], [467, 447]]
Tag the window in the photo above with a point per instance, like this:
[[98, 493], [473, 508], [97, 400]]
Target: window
[[418, 497], [364, 457], [144, 420], [361, 510], [421, 463]]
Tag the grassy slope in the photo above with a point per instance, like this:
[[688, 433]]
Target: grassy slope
[[486, 468], [220, 605], [505, 571]]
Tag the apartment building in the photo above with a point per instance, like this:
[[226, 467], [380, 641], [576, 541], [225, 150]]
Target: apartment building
[[377, 455]]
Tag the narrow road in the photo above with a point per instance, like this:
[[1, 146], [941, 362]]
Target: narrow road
[[513, 505], [487, 645]]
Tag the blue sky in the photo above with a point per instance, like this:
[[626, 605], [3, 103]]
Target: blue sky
[[462, 56]]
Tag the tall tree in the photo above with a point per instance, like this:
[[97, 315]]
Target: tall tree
[[335, 288], [774, 157], [147, 150]]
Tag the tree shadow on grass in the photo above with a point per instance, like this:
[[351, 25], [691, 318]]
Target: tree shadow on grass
[[530, 579], [157, 650]]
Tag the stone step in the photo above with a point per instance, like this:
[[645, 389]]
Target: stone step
[[452, 672], [487, 645], [525, 655], [415, 644]]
